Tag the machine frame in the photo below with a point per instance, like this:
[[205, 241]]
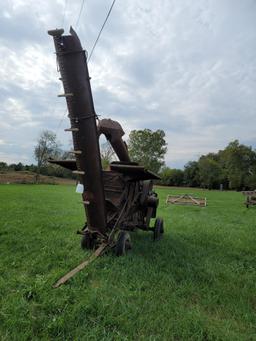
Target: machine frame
[[120, 199]]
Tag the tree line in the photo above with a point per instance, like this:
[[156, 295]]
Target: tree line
[[231, 168], [47, 169], [46, 147]]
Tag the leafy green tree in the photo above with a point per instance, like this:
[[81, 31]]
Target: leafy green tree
[[18, 167], [250, 179], [210, 172], [106, 154], [191, 174], [47, 147], [3, 166], [239, 162], [177, 177], [172, 176], [148, 148], [165, 175]]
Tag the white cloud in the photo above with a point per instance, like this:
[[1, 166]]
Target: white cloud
[[13, 157], [186, 67], [15, 110], [2, 142], [28, 68]]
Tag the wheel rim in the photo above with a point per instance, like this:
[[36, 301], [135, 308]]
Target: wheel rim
[[158, 229], [123, 243]]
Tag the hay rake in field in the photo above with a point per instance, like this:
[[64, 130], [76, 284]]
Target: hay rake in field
[[116, 201], [250, 198], [185, 199]]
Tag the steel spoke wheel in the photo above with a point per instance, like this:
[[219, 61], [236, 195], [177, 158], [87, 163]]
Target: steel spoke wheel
[[123, 243], [158, 228], [146, 188]]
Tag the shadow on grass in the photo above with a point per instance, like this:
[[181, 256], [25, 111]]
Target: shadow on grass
[[196, 257]]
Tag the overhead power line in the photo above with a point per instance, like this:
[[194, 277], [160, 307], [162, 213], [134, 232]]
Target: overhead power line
[[80, 12], [102, 27], [94, 45]]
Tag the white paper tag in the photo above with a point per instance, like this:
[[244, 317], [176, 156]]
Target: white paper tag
[[80, 188]]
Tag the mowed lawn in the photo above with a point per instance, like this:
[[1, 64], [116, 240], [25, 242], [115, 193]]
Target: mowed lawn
[[197, 283]]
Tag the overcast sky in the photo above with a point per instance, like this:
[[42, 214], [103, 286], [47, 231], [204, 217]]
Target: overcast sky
[[187, 67]]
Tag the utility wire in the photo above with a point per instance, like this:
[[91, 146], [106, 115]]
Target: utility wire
[[61, 121], [96, 41], [80, 12], [102, 27]]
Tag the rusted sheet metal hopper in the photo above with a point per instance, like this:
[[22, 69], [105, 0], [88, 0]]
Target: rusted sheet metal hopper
[[118, 200]]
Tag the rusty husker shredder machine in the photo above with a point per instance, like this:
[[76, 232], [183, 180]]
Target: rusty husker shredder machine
[[120, 199]]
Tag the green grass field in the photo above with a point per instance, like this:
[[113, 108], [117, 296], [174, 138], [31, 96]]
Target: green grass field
[[197, 283]]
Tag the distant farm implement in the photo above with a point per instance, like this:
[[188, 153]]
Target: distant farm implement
[[116, 201], [250, 198], [186, 199]]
